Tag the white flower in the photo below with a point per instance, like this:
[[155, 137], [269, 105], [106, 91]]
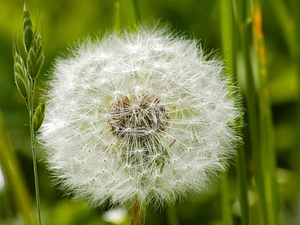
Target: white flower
[[141, 116]]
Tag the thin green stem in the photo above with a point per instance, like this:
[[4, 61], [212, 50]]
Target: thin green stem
[[33, 150], [36, 179]]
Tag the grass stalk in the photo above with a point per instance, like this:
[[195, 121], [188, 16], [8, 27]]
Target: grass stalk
[[287, 23], [244, 19], [117, 18], [136, 11], [172, 215], [226, 200], [25, 74], [267, 143], [296, 7], [14, 177], [128, 14], [228, 29], [242, 185], [8, 210]]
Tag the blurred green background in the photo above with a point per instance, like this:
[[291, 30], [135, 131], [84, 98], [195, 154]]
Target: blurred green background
[[64, 21]]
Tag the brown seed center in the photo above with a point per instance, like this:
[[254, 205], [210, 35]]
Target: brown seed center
[[138, 116]]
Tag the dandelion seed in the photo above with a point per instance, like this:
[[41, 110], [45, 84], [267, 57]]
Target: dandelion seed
[[149, 122]]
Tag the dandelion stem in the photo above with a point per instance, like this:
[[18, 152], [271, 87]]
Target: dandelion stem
[[138, 214]]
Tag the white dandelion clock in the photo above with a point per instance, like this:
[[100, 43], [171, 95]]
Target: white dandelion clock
[[141, 117]]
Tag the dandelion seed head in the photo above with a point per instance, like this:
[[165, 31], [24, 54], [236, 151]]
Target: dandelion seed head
[[141, 116]]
